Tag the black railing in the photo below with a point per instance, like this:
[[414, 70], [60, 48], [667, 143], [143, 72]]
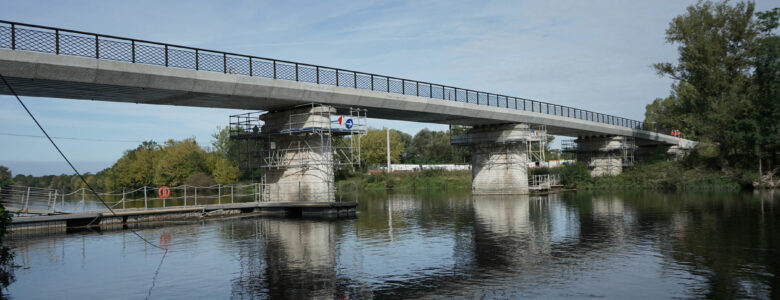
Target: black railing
[[19, 36]]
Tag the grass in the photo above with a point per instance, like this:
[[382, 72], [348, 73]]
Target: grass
[[414, 181]]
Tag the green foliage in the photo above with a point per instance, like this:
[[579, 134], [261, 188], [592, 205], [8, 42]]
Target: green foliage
[[178, 161], [660, 175], [6, 271], [726, 83], [574, 175], [6, 256], [438, 180], [373, 147], [5, 176], [151, 164], [225, 171], [433, 147]]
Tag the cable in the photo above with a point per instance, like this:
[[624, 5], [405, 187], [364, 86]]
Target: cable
[[84, 180], [71, 138]]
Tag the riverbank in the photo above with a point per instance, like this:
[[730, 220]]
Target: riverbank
[[658, 175], [438, 180]]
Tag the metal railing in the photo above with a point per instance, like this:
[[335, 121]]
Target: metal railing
[[544, 181], [27, 37]]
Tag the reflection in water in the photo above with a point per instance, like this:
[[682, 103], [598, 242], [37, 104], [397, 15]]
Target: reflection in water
[[510, 231], [615, 245]]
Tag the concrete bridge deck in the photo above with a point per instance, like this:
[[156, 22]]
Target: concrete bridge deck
[[50, 62]]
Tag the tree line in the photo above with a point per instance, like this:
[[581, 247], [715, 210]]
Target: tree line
[[726, 83], [185, 162], [150, 164]]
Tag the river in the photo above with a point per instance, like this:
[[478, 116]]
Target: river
[[432, 245]]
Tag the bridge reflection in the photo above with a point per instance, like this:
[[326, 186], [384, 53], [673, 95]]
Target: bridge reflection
[[452, 245]]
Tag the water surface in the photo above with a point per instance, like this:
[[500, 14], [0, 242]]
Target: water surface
[[433, 245]]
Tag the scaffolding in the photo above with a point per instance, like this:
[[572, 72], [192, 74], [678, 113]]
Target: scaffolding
[[312, 135], [308, 140], [534, 137], [620, 148]]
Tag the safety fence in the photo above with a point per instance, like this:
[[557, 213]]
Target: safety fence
[[24, 200], [544, 181], [27, 37]]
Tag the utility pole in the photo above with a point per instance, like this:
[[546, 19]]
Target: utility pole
[[388, 150]]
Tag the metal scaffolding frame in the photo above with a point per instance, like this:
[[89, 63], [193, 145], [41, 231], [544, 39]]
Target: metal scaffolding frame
[[624, 152], [535, 138], [292, 146]]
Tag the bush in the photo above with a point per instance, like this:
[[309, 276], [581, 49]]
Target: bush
[[574, 175]]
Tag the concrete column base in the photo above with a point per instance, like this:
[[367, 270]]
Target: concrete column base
[[299, 159], [499, 160], [602, 154]]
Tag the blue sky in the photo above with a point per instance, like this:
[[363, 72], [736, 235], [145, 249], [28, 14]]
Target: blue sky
[[589, 54]]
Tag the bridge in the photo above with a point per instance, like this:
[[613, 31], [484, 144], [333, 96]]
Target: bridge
[[53, 62]]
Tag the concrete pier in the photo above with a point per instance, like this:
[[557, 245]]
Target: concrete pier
[[605, 156], [499, 157], [299, 156]]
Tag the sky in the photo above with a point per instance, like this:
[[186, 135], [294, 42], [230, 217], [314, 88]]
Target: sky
[[595, 55]]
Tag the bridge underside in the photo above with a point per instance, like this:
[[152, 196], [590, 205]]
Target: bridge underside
[[56, 76]]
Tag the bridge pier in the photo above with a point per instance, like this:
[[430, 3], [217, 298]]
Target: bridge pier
[[605, 155], [298, 159], [499, 157], [293, 149]]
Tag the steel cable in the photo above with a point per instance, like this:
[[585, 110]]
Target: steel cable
[[85, 181]]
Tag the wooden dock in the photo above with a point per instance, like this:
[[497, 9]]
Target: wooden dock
[[127, 216]]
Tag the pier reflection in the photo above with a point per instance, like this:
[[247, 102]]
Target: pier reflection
[[445, 245]]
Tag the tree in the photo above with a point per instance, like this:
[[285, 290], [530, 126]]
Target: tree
[[178, 161], [432, 147], [373, 147], [5, 176], [6, 271], [710, 99], [225, 171]]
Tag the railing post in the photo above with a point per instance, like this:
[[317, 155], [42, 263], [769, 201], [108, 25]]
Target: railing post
[[132, 50], [54, 205], [13, 36], [197, 63], [231, 194], [430, 90], [442, 93], [196, 196], [224, 64], [57, 41], [296, 72], [83, 199], [219, 194], [403, 87], [337, 77], [354, 79], [166, 63], [388, 84], [418, 88], [97, 46], [317, 70], [123, 198], [250, 68], [27, 200], [146, 204], [185, 195]]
